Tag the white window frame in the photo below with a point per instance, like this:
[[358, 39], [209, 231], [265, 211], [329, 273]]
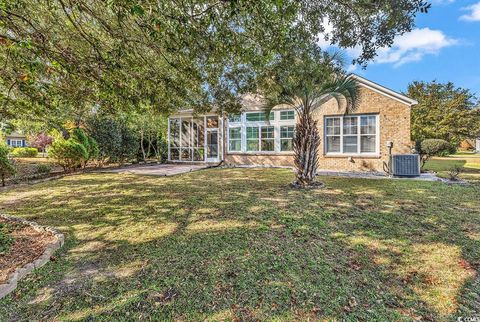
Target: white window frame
[[289, 139], [359, 135], [286, 111], [276, 123], [267, 120], [16, 143], [228, 137], [259, 133]]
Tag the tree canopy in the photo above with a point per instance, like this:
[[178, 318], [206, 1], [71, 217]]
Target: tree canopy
[[62, 58], [444, 111]]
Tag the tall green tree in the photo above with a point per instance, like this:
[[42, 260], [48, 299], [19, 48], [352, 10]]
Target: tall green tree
[[444, 111], [151, 128], [6, 165], [61, 57], [305, 80]]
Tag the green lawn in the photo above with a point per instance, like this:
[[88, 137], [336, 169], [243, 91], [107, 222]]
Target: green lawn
[[468, 161], [238, 244]]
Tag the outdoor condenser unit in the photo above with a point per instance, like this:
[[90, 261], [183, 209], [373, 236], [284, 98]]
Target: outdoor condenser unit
[[405, 165]]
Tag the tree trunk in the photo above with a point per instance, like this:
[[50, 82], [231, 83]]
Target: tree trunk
[[305, 147], [141, 145], [149, 146], [3, 179]]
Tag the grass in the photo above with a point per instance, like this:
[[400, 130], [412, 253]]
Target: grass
[[238, 244], [5, 239], [469, 162]]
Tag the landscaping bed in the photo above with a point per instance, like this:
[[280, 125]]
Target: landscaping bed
[[20, 244]]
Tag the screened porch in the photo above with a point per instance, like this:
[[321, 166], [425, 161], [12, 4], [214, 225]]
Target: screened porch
[[195, 139]]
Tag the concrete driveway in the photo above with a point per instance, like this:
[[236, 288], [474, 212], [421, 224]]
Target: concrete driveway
[[158, 169]]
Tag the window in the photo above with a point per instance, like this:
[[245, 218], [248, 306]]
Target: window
[[235, 139], [332, 130], [251, 132], [16, 143], [235, 118], [212, 122], [267, 138], [286, 138], [350, 131], [368, 128], [260, 138], [287, 115], [259, 116], [252, 139], [356, 134]]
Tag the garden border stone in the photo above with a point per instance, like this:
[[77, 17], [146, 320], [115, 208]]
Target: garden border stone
[[21, 272]]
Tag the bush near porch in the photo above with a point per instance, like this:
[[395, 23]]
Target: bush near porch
[[225, 244]]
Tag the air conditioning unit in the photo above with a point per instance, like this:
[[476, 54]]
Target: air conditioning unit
[[405, 165]]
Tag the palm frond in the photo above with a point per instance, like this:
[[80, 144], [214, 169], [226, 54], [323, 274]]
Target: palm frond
[[344, 90]]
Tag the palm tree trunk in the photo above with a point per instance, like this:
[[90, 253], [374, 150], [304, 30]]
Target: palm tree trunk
[[305, 147]]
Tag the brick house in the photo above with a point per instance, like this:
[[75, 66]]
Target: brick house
[[353, 142]]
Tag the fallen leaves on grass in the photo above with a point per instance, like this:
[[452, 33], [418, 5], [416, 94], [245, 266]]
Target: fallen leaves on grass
[[162, 298]]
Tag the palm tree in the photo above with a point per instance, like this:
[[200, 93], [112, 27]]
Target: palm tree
[[314, 80]]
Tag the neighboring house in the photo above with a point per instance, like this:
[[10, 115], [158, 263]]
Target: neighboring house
[[467, 144], [353, 142], [16, 140], [477, 145]]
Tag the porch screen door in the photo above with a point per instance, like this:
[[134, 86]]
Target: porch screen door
[[212, 145]]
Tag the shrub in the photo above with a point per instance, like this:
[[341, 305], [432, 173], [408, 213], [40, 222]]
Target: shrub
[[6, 165], [130, 144], [80, 137], [43, 168], [433, 147], [454, 172], [93, 150], [88, 142], [24, 152], [68, 153], [116, 142]]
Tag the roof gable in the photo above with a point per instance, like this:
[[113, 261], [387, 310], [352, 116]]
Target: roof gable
[[383, 90]]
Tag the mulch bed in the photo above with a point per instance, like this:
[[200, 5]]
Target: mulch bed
[[28, 245]]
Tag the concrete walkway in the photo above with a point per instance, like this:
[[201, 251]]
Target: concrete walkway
[[158, 169]]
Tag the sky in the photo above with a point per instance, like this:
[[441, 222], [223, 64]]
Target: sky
[[444, 46]]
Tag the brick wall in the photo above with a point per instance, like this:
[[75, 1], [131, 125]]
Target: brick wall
[[394, 119], [259, 159]]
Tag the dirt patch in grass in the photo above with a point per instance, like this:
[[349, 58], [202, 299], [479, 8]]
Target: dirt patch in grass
[[27, 245]]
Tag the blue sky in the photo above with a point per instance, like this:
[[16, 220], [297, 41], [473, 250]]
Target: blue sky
[[444, 46]]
